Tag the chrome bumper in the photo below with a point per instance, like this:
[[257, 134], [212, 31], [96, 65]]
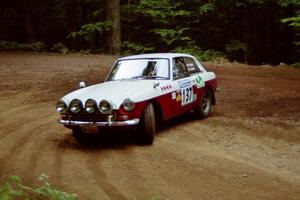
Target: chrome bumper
[[108, 123]]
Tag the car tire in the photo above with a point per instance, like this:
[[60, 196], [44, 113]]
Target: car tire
[[147, 126], [204, 108]]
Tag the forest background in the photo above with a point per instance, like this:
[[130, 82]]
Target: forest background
[[250, 31]]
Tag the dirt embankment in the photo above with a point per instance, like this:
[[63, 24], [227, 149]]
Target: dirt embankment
[[248, 149]]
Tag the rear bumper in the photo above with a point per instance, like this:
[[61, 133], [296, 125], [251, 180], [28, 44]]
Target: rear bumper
[[131, 122]]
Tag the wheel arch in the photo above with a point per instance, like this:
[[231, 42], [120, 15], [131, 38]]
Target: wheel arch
[[209, 87], [157, 111]]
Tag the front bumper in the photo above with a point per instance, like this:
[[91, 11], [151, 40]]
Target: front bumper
[[131, 122]]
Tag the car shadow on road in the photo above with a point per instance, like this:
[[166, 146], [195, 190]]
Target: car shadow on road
[[122, 137], [105, 139], [182, 120]]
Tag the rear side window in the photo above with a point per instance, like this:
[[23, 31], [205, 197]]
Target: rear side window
[[179, 68], [192, 67]]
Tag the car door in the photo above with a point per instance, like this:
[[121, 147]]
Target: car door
[[197, 77], [185, 93]]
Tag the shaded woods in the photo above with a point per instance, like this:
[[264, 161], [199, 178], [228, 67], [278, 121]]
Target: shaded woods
[[251, 31]]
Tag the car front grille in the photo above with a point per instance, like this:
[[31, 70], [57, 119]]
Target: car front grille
[[88, 117]]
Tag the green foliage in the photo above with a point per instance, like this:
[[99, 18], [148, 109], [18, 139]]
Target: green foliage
[[286, 3], [37, 46], [166, 16], [190, 49], [210, 55], [85, 51], [161, 26], [13, 189], [297, 65], [6, 45], [60, 48], [208, 7], [161, 11], [87, 30], [169, 36], [130, 47], [203, 55], [234, 46], [235, 50], [293, 21]]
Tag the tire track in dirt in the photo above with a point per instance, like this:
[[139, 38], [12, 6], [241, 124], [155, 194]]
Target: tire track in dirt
[[22, 136], [119, 168], [16, 116], [103, 183], [75, 172], [13, 155], [59, 152], [255, 150], [36, 151], [210, 159]]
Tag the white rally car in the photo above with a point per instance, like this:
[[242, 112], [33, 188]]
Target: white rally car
[[140, 91]]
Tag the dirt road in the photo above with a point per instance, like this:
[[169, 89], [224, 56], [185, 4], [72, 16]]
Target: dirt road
[[248, 149]]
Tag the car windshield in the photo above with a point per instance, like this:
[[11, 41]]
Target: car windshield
[[140, 69]]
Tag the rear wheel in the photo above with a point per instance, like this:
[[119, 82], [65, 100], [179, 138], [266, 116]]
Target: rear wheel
[[204, 108], [147, 126]]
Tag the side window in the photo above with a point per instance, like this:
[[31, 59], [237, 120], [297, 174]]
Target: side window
[[179, 68], [192, 67]]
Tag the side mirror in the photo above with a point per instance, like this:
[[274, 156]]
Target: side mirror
[[82, 84]]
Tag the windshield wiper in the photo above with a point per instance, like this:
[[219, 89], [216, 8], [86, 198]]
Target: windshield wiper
[[139, 77], [156, 77], [148, 77]]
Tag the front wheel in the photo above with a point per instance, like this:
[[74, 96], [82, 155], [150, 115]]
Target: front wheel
[[147, 125], [204, 108]]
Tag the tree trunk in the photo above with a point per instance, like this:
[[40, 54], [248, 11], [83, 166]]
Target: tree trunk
[[250, 36], [29, 23], [114, 35], [72, 24]]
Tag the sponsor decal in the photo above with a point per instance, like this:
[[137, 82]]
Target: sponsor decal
[[185, 83], [199, 81], [166, 87], [186, 92], [187, 95], [173, 95], [178, 97]]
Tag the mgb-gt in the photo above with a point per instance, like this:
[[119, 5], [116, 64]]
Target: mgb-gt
[[140, 91]]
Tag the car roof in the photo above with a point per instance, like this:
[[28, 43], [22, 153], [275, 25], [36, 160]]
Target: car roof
[[156, 55]]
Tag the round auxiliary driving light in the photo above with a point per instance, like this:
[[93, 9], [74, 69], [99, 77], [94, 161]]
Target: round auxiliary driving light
[[61, 107], [128, 105], [75, 106], [105, 107], [90, 106]]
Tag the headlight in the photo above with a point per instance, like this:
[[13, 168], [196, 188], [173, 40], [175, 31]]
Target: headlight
[[105, 107], [90, 106], [61, 107], [75, 106], [128, 105]]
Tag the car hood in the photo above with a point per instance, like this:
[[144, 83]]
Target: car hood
[[115, 92]]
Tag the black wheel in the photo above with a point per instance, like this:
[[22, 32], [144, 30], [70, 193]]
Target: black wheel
[[147, 126], [204, 108]]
